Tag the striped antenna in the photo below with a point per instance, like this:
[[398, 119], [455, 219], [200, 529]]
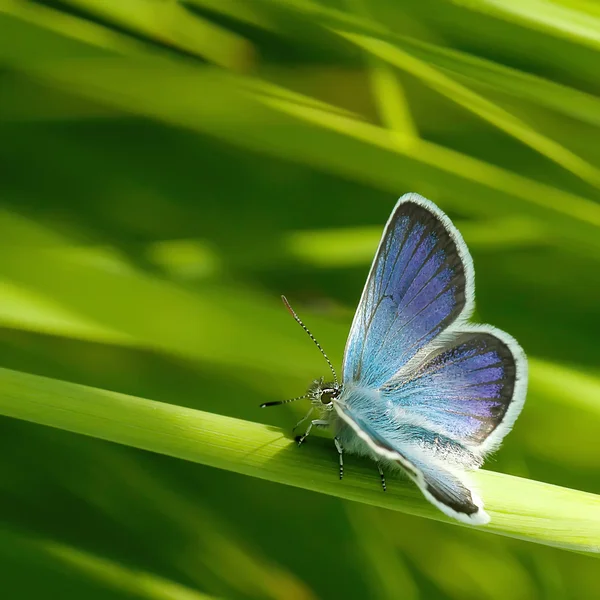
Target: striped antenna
[[279, 402], [311, 336]]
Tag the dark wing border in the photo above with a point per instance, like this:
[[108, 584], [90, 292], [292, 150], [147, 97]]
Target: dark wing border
[[462, 250], [515, 402], [519, 392]]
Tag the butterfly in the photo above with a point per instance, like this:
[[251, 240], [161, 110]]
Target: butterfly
[[422, 388]]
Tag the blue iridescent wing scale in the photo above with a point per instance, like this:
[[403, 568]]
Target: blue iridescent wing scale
[[420, 282], [469, 385]]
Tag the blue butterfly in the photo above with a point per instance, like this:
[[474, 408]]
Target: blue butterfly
[[421, 388]]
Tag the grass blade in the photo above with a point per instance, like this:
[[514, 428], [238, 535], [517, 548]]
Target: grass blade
[[112, 575], [478, 105], [519, 508]]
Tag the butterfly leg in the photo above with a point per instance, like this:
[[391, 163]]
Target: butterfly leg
[[382, 476], [316, 423], [340, 450], [306, 416]]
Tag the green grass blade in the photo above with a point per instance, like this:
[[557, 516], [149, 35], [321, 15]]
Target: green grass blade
[[170, 23], [114, 576], [484, 74], [575, 24], [519, 508], [50, 32], [478, 105], [387, 90]]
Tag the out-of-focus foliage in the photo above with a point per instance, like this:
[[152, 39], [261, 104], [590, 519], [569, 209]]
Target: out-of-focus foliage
[[168, 169]]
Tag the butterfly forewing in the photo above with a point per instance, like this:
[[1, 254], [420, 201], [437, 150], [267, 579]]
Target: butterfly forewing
[[420, 283]]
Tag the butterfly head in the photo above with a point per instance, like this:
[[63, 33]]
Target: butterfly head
[[321, 394], [324, 394]]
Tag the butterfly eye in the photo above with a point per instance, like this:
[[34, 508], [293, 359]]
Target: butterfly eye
[[329, 393], [326, 398]]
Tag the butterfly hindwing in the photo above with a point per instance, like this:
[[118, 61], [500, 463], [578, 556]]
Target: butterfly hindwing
[[469, 385], [420, 282]]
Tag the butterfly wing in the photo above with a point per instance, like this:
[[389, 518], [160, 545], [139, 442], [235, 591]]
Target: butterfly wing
[[468, 385], [450, 491], [443, 483], [421, 281], [421, 387], [443, 411]]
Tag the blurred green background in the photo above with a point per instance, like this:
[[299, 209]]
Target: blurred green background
[[168, 169]]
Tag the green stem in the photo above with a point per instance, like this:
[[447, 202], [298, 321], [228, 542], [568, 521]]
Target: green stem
[[519, 508]]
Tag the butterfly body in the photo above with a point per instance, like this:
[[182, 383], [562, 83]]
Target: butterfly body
[[423, 389]]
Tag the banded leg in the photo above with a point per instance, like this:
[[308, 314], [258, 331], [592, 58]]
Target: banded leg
[[316, 423], [382, 476], [306, 416], [340, 450]]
